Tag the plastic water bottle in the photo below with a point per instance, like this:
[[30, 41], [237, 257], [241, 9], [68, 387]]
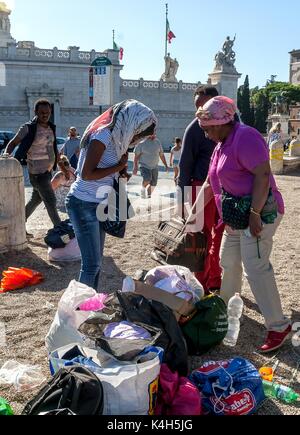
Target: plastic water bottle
[[280, 392], [235, 311], [5, 408]]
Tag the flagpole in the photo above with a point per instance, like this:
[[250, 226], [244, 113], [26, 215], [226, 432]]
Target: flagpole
[[167, 14], [113, 39]]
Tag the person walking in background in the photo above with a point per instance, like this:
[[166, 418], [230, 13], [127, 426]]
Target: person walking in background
[[71, 148], [62, 181], [38, 149], [147, 155], [104, 154], [175, 158], [240, 168], [275, 134], [197, 151]]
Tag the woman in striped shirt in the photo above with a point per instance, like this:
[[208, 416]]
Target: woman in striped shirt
[[104, 153]]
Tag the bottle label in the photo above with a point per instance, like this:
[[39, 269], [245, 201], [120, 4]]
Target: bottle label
[[282, 392]]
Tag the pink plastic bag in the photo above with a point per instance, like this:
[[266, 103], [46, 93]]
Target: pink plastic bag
[[177, 395], [94, 304]]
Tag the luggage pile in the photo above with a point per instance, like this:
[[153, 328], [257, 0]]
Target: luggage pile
[[127, 353]]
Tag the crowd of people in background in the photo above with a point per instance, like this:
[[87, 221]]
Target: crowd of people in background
[[218, 158]]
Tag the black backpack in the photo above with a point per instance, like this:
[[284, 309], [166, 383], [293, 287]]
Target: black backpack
[[59, 236], [75, 390]]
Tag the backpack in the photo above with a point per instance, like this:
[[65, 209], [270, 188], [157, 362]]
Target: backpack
[[59, 236], [75, 389], [208, 327]]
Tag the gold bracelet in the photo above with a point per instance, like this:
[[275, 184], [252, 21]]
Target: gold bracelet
[[254, 212]]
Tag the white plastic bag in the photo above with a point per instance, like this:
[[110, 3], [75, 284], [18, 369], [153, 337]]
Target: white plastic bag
[[130, 388], [176, 280], [63, 330], [70, 253], [23, 377]]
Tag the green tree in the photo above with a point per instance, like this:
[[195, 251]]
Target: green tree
[[262, 106], [244, 103], [262, 100], [240, 98], [291, 92], [252, 116]]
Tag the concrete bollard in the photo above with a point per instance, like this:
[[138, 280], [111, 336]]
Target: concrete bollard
[[295, 148], [276, 157], [12, 205]]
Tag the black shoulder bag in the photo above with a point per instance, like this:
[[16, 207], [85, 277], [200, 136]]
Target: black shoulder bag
[[119, 211]]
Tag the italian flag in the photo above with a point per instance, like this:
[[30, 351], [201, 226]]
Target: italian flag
[[170, 34], [120, 50]]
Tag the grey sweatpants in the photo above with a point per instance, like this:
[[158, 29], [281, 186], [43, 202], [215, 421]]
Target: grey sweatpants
[[239, 254]]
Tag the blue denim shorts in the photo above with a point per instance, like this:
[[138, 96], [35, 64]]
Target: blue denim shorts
[[150, 176]]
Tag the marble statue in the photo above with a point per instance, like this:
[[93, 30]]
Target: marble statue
[[5, 25], [171, 69], [4, 8], [280, 106], [225, 59]]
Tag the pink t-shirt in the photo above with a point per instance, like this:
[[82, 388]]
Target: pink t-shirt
[[232, 163]]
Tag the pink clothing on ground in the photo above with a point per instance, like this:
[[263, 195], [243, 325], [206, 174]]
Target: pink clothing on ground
[[232, 163]]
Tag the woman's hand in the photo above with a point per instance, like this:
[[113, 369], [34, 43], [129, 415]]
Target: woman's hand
[[229, 230], [124, 161], [256, 225]]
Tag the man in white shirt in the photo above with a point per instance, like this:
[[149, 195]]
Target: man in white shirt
[[147, 155]]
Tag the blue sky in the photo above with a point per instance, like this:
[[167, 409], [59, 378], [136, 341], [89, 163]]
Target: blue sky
[[266, 31]]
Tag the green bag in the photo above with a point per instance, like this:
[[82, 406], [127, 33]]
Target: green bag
[[208, 327]]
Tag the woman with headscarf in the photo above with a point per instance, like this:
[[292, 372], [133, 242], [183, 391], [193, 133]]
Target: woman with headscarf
[[251, 205], [104, 154], [275, 134]]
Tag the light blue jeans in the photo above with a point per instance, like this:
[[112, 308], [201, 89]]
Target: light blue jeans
[[90, 237]]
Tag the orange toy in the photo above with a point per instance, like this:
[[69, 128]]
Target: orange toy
[[16, 279]]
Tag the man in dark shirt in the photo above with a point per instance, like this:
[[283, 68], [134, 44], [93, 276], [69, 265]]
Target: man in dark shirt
[[194, 165]]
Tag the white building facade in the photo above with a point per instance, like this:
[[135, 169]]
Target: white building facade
[[62, 76]]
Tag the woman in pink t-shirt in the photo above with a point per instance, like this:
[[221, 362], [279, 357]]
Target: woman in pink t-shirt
[[240, 167]]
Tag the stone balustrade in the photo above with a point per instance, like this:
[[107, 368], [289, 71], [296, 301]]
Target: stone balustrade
[[35, 54], [147, 84]]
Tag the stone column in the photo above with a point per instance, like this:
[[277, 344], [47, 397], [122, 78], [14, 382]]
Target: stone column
[[93, 55], [276, 157], [227, 83], [12, 50], [55, 52], [295, 148], [74, 54]]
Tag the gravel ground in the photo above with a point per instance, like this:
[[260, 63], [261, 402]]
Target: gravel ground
[[27, 316]]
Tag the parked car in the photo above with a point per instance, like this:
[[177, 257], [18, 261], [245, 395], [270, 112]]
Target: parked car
[[5, 137]]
